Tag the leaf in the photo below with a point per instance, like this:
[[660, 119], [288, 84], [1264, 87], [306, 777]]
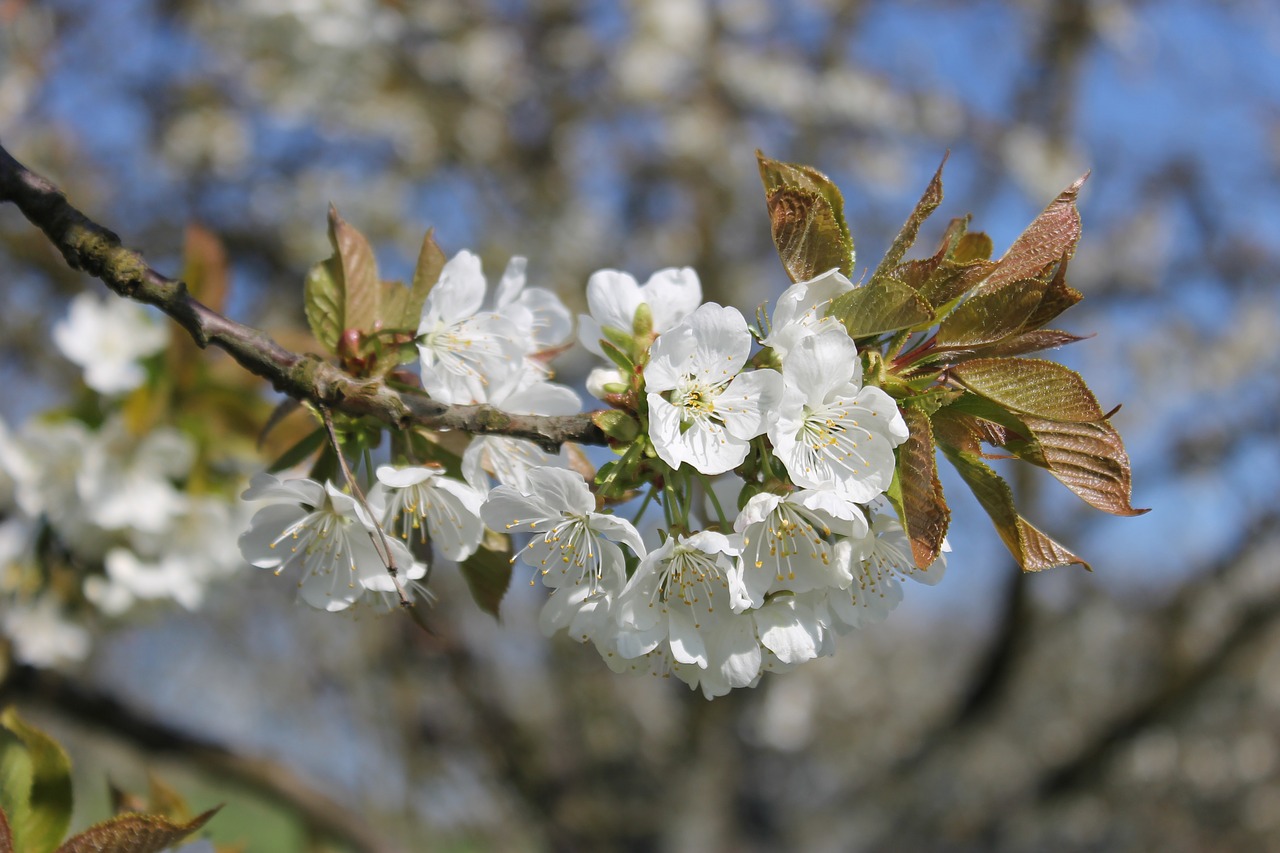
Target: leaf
[[488, 572], [6, 834], [973, 246], [806, 216], [906, 238], [880, 306], [1028, 342], [1033, 550], [1058, 297], [916, 491], [1052, 236], [431, 261], [989, 317], [286, 407], [322, 300], [942, 282], [134, 833], [35, 785], [1087, 458], [362, 290], [1030, 386]]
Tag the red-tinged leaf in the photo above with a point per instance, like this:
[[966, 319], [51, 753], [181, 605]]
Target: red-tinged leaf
[[1087, 458], [426, 273], [1033, 550], [989, 317], [1058, 297], [910, 230], [35, 785], [880, 306], [942, 284], [1029, 342], [916, 491], [134, 833], [806, 216], [488, 572], [957, 430], [1030, 386], [205, 267], [362, 289], [1050, 237], [973, 246]]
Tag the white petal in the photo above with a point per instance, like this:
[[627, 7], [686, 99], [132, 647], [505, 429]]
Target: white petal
[[612, 297], [749, 401], [672, 294]]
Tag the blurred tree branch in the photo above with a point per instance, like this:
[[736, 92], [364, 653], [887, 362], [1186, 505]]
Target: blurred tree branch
[[90, 247]]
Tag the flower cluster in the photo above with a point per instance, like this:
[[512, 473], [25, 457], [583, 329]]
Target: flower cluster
[[779, 426]]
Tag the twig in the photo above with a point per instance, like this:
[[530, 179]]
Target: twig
[[88, 246]]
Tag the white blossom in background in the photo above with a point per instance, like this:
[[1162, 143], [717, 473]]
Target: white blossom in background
[[831, 432], [324, 536], [422, 503], [701, 409], [509, 459], [127, 482], [40, 635], [801, 310], [467, 355], [572, 543], [613, 298], [108, 337]]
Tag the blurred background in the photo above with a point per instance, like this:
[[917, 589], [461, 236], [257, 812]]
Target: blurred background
[[1133, 708]]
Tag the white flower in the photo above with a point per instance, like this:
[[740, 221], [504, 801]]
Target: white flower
[[572, 543], [613, 298], [790, 629], [801, 310], [599, 377], [877, 587], [542, 319], [511, 459], [107, 337], [40, 635], [467, 355], [714, 411], [324, 535], [684, 594], [792, 542], [831, 433], [434, 505]]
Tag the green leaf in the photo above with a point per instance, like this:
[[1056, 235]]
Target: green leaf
[[1033, 550], [1051, 237], [35, 785], [989, 317], [906, 238], [1087, 458], [916, 491], [1030, 386], [488, 572], [134, 833], [426, 273], [322, 300], [880, 306], [806, 216], [616, 424], [617, 356]]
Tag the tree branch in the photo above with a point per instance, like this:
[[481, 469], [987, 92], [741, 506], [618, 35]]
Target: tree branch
[[100, 711], [88, 246]]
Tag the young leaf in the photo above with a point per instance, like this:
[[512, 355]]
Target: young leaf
[[134, 833], [426, 273], [1058, 297], [880, 306], [488, 573], [916, 491], [322, 300], [362, 290], [906, 238], [989, 317], [1033, 550], [1029, 342], [1030, 386], [6, 834], [806, 215], [35, 786], [1088, 458], [1051, 236]]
